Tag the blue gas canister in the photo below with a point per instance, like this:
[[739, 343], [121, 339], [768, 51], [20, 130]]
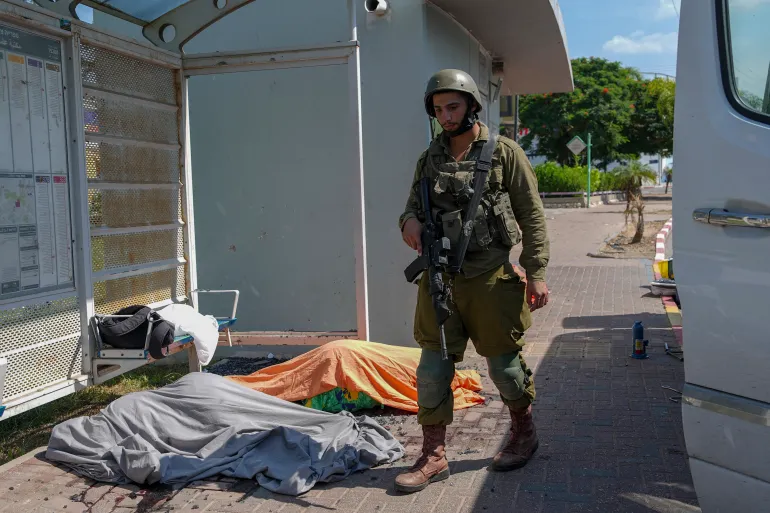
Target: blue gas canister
[[639, 344]]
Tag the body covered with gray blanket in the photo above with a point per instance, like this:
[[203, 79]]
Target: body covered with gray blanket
[[204, 424]]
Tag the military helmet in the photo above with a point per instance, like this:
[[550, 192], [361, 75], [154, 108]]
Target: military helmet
[[451, 80]]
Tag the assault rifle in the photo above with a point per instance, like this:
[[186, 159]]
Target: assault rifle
[[436, 248], [434, 259]]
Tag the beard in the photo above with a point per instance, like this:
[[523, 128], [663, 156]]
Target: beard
[[468, 120], [465, 125]]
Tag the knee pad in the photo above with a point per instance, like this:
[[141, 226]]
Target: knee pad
[[508, 375], [434, 379]]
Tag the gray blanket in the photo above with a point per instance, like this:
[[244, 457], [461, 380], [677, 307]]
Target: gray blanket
[[204, 424]]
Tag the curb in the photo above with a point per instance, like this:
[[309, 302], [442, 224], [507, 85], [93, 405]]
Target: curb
[[21, 459], [660, 241], [672, 310], [674, 318]]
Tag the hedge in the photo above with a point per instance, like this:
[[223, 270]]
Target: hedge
[[552, 177]]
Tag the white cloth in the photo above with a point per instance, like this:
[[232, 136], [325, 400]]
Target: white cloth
[[203, 328]]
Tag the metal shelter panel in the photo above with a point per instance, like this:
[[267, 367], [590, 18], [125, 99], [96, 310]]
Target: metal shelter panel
[[41, 344], [168, 24], [40, 332], [132, 121], [123, 118], [131, 203], [331, 54], [145, 10]]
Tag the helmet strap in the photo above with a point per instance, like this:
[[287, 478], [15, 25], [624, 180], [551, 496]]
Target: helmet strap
[[466, 124]]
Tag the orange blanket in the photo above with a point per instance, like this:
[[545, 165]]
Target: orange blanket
[[386, 373]]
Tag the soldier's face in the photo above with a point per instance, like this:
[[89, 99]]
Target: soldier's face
[[450, 109]]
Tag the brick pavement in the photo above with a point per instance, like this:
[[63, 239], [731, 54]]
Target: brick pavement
[[611, 438]]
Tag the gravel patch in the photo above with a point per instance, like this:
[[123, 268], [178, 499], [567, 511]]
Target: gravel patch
[[620, 245], [241, 366]]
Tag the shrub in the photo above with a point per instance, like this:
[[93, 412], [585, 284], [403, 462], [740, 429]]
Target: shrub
[[552, 177]]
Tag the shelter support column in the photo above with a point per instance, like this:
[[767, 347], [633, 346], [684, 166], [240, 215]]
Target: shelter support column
[[354, 73]]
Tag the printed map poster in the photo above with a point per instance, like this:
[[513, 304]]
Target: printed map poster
[[35, 222], [45, 232], [17, 208], [38, 116], [63, 235], [20, 125], [56, 133], [10, 274], [6, 150]]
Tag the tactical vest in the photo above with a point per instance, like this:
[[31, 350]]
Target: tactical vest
[[452, 191]]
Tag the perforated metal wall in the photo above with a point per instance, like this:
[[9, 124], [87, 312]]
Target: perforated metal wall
[[110, 296], [41, 345], [132, 157], [111, 71], [42, 365], [30, 325], [124, 163], [117, 116], [112, 251], [133, 207]]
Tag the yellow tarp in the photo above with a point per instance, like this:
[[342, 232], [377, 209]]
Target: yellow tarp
[[386, 373]]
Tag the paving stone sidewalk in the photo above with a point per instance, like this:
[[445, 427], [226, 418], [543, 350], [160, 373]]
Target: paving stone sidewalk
[[610, 434]]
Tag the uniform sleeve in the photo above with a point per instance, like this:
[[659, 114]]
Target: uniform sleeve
[[529, 212], [412, 209]]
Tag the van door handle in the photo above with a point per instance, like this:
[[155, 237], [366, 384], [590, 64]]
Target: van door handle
[[723, 217]]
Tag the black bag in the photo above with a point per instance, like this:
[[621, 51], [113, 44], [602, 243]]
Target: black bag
[[131, 332]]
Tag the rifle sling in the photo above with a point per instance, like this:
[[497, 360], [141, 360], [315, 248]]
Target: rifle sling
[[483, 164]]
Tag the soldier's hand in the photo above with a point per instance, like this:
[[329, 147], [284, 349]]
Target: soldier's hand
[[537, 295], [411, 234]]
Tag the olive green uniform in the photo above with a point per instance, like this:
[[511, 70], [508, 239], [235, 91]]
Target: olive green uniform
[[488, 301]]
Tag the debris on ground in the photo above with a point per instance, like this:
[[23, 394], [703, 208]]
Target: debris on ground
[[390, 418], [242, 366]]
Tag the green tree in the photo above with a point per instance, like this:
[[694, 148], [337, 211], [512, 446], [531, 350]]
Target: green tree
[[602, 103], [664, 93], [624, 114], [629, 179], [652, 125], [751, 100]]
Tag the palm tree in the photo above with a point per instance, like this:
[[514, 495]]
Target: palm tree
[[629, 179]]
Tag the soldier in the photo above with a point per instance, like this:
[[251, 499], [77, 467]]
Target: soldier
[[489, 298]]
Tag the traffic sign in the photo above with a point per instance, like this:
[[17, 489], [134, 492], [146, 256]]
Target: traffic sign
[[576, 145]]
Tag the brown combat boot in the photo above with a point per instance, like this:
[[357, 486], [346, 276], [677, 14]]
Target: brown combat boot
[[432, 464], [521, 445]]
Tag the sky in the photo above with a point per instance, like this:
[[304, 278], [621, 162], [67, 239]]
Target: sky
[[639, 33], [643, 34]]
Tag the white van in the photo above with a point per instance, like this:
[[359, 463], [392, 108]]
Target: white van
[[722, 248]]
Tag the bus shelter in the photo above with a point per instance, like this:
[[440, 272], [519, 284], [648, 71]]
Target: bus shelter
[[96, 174]]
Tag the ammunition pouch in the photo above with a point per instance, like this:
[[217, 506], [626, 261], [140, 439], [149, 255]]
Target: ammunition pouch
[[506, 221], [452, 226], [494, 219]]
